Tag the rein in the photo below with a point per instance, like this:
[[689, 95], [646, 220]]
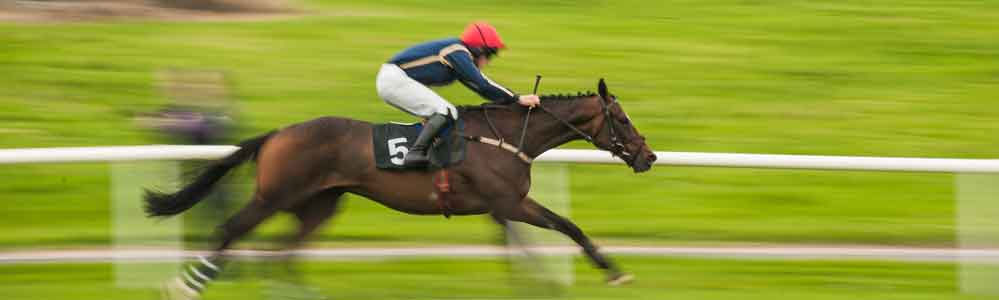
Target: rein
[[616, 143], [585, 136], [617, 147]]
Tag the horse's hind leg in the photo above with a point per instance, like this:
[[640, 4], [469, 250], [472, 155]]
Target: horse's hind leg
[[196, 276], [312, 214], [533, 213]]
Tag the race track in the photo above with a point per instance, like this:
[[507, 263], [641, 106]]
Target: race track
[[789, 253]]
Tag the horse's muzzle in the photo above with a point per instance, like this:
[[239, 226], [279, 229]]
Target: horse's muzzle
[[644, 163]]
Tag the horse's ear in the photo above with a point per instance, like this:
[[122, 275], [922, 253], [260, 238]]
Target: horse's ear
[[602, 89]]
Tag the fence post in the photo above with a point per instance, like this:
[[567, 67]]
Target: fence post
[[977, 213], [132, 230]]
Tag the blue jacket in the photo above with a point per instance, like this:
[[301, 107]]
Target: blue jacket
[[440, 62]]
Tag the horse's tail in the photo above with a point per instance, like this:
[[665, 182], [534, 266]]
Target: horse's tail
[[160, 204]]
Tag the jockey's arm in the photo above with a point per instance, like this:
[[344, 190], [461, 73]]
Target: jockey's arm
[[474, 79]]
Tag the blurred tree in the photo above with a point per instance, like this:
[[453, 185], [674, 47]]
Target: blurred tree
[[227, 5], [143, 7]]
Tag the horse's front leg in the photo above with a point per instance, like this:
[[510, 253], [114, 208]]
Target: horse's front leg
[[531, 212]]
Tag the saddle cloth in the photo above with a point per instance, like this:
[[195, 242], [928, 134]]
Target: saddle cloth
[[392, 141]]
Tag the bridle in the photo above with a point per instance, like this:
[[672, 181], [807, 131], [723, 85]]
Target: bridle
[[616, 146]]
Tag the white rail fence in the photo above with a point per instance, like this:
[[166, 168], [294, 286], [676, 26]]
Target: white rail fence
[[975, 191], [776, 161]]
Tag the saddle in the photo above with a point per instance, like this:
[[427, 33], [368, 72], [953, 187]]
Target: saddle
[[391, 142]]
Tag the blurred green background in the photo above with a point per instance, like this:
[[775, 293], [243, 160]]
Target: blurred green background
[[884, 78]]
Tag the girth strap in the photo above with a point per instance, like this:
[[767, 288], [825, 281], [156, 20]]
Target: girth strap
[[442, 183]]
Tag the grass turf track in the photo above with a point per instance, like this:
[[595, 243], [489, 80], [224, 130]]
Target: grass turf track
[[657, 278], [892, 78]]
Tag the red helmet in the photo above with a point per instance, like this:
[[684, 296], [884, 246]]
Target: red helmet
[[481, 35]]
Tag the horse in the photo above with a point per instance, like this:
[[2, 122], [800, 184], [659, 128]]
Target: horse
[[305, 168]]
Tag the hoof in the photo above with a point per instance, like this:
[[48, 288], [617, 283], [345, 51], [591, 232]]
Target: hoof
[[288, 290], [176, 290], [620, 279]]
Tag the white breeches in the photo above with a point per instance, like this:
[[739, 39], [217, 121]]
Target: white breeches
[[411, 96]]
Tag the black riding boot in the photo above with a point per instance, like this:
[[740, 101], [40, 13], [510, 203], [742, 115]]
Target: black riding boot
[[417, 156]]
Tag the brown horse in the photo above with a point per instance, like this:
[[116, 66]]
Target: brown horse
[[305, 169]]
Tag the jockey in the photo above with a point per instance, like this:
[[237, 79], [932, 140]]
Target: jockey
[[403, 81]]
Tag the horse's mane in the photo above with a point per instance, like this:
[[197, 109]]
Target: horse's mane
[[568, 96], [546, 97]]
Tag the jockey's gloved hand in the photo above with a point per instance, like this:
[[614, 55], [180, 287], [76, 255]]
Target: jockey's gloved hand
[[529, 100]]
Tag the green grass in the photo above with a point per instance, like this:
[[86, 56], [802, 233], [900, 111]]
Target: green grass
[[891, 78], [657, 278]]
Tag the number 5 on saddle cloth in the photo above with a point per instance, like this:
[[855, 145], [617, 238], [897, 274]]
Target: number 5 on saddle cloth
[[392, 141]]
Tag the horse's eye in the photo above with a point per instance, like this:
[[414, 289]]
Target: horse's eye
[[625, 121]]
